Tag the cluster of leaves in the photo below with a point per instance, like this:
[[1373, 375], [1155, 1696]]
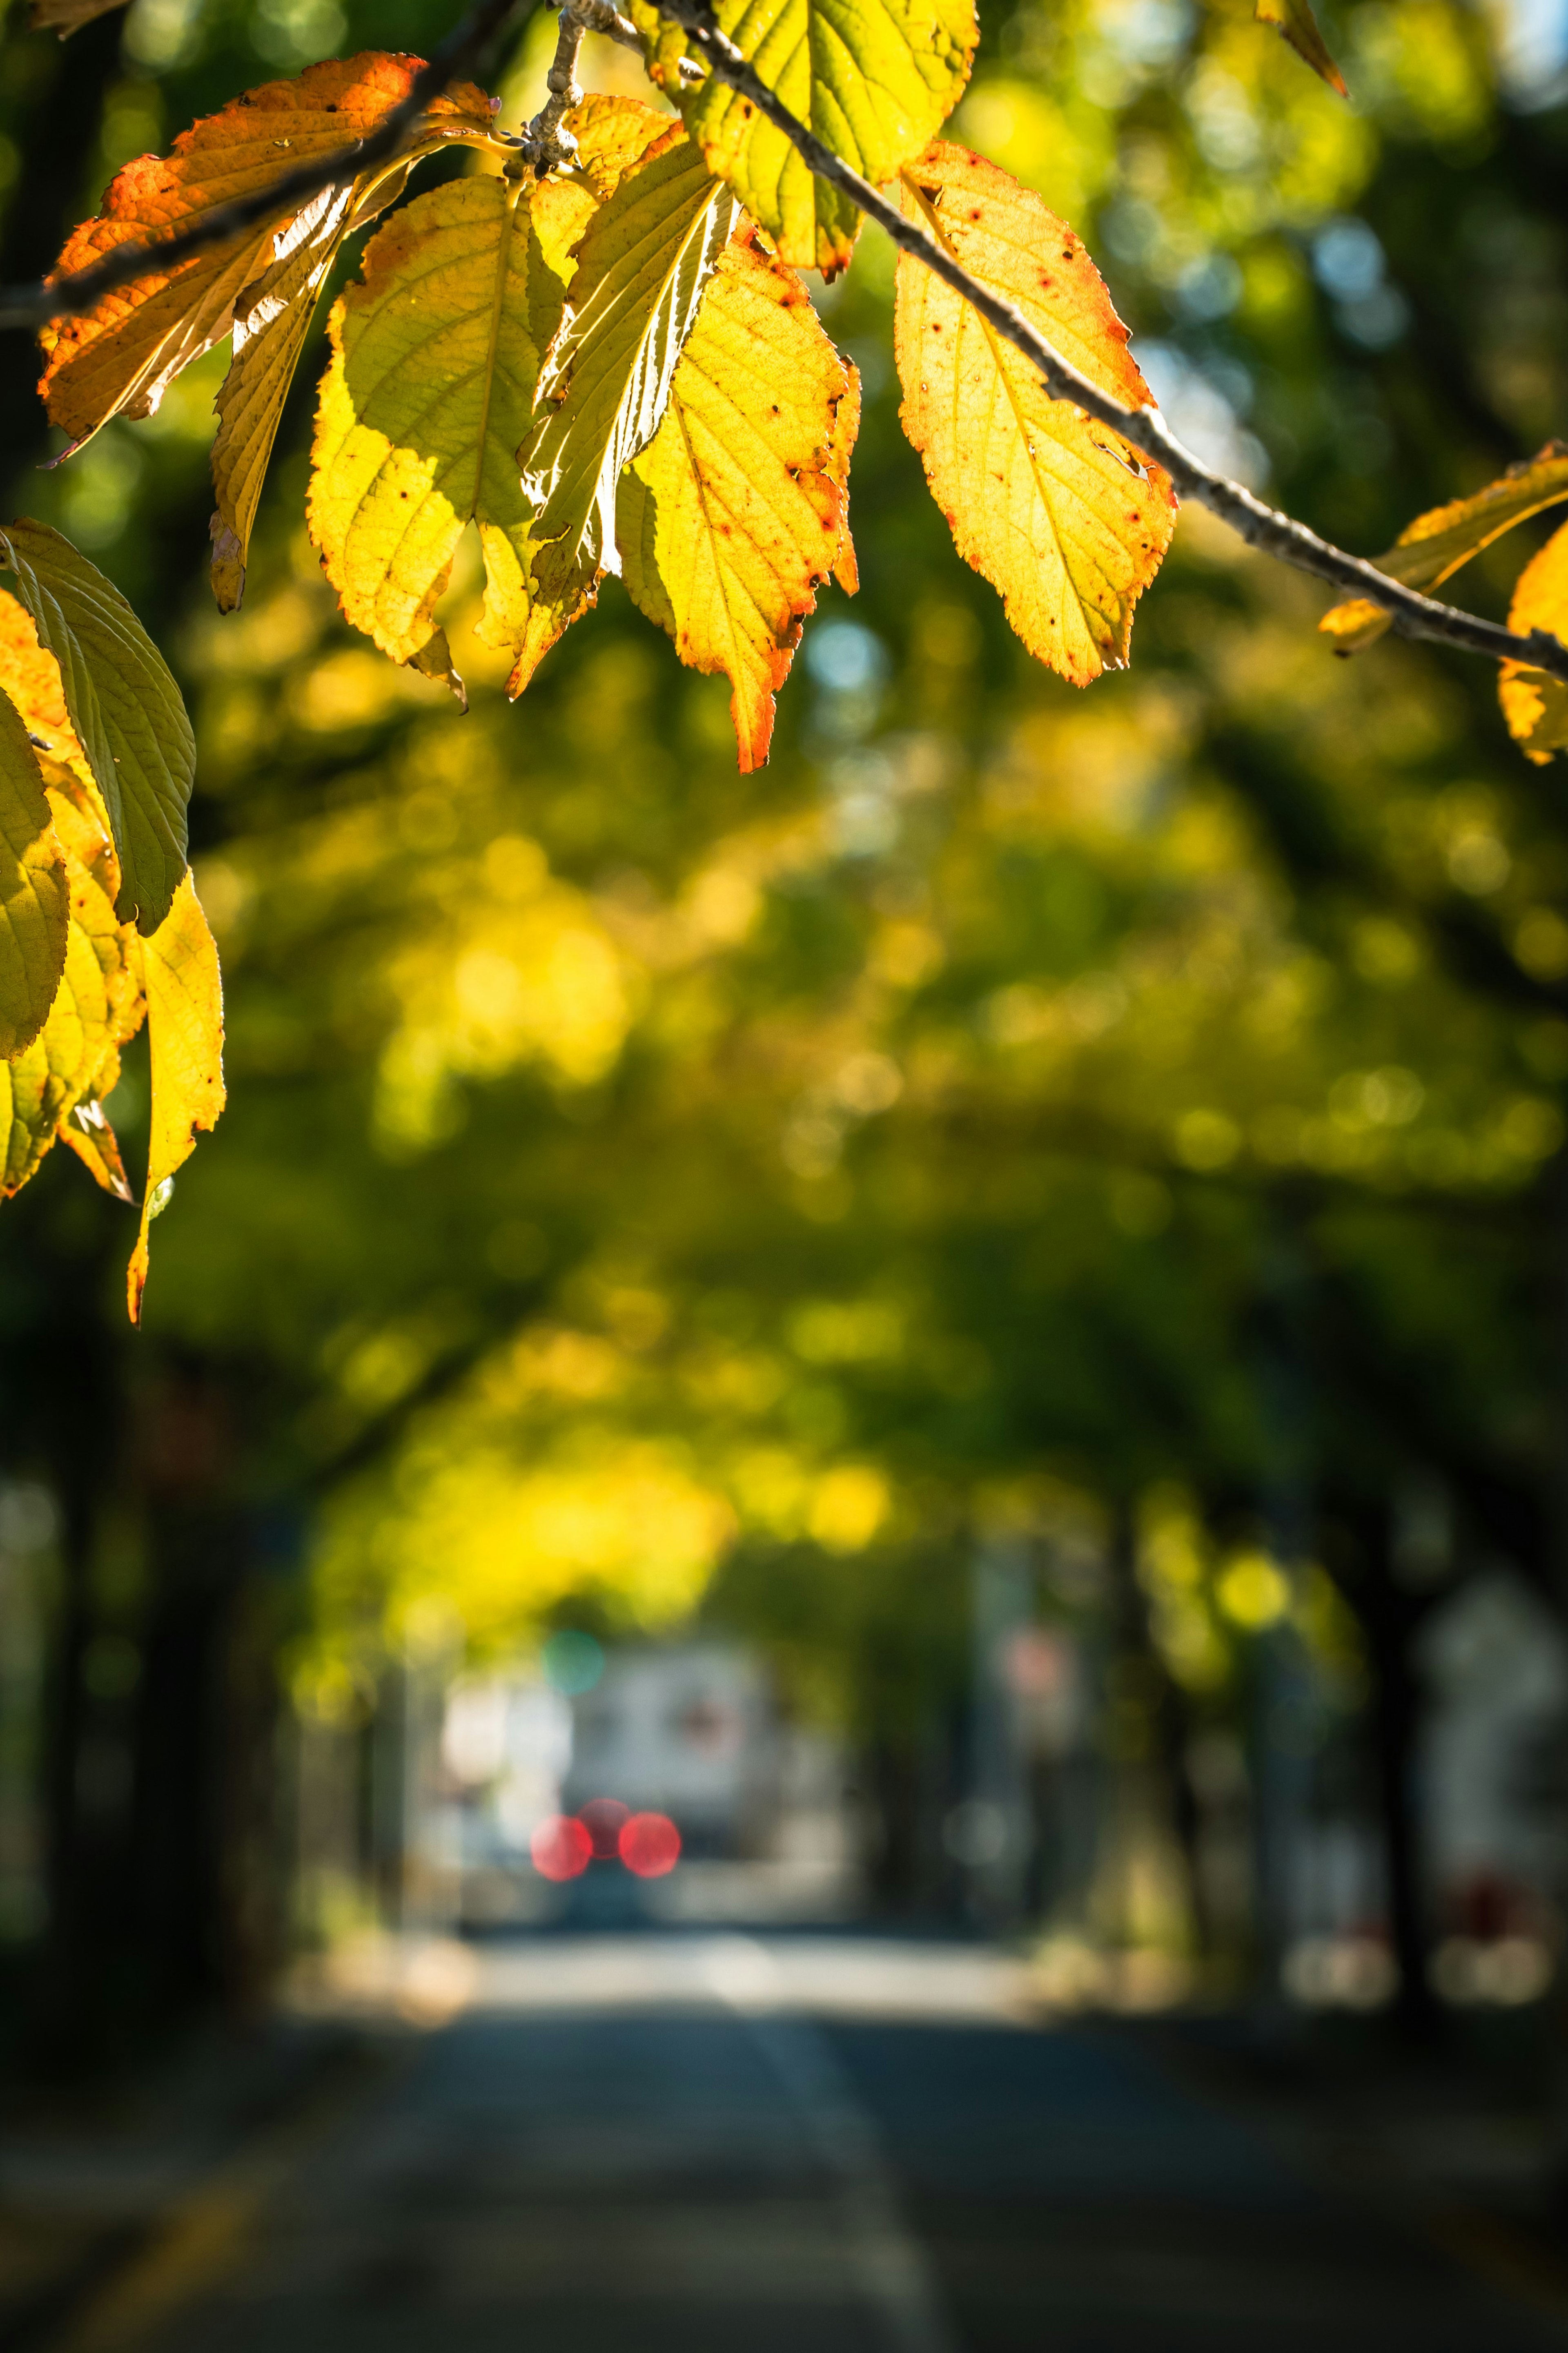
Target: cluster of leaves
[[100, 924], [614, 366], [608, 365]]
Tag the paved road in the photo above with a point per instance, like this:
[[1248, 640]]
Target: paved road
[[718, 2144]]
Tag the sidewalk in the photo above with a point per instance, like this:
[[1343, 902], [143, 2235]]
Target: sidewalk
[[1456, 2147], [93, 2181]]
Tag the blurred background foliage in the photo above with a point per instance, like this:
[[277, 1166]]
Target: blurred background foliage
[[645, 1190]]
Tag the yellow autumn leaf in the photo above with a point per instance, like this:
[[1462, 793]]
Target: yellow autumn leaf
[[1432, 548], [75, 1059], [735, 513], [118, 358], [34, 903], [52, 1086], [1534, 703], [128, 715], [642, 264], [434, 366], [874, 78], [185, 1028], [1052, 508], [30, 678], [613, 134]]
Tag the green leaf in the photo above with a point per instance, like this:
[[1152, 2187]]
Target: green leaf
[[876, 79], [1432, 548], [35, 900], [642, 264], [125, 706], [436, 362]]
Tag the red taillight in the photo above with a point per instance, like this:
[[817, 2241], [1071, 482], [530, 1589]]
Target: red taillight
[[561, 1848], [650, 1845], [602, 1820]]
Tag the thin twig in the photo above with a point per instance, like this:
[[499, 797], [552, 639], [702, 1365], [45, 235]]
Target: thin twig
[[601, 16], [1411, 615], [32, 306], [547, 144]]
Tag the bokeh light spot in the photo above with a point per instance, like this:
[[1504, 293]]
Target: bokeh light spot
[[561, 1848], [602, 1820], [573, 1662], [650, 1845]]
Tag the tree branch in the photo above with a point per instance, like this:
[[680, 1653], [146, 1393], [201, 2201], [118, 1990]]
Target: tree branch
[[32, 306], [1410, 615]]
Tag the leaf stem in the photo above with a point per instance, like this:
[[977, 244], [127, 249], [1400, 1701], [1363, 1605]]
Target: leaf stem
[[32, 306], [1261, 527]]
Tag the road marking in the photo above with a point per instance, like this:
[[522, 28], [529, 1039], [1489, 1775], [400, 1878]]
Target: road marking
[[889, 2265], [206, 2235]]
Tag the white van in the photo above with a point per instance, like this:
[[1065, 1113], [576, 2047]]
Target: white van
[[684, 1729]]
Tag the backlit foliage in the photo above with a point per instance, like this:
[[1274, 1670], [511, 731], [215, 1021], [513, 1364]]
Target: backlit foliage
[[604, 360]]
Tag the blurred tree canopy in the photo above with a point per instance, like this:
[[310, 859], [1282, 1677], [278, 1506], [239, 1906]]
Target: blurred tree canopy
[[642, 1183]]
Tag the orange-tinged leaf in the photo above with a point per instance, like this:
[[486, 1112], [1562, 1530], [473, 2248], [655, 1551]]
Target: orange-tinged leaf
[[34, 908], [272, 316], [1294, 22], [30, 675], [1054, 509], [436, 362], [118, 358], [88, 1135], [731, 518], [1432, 548], [185, 1028], [271, 319], [613, 135], [1534, 703]]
